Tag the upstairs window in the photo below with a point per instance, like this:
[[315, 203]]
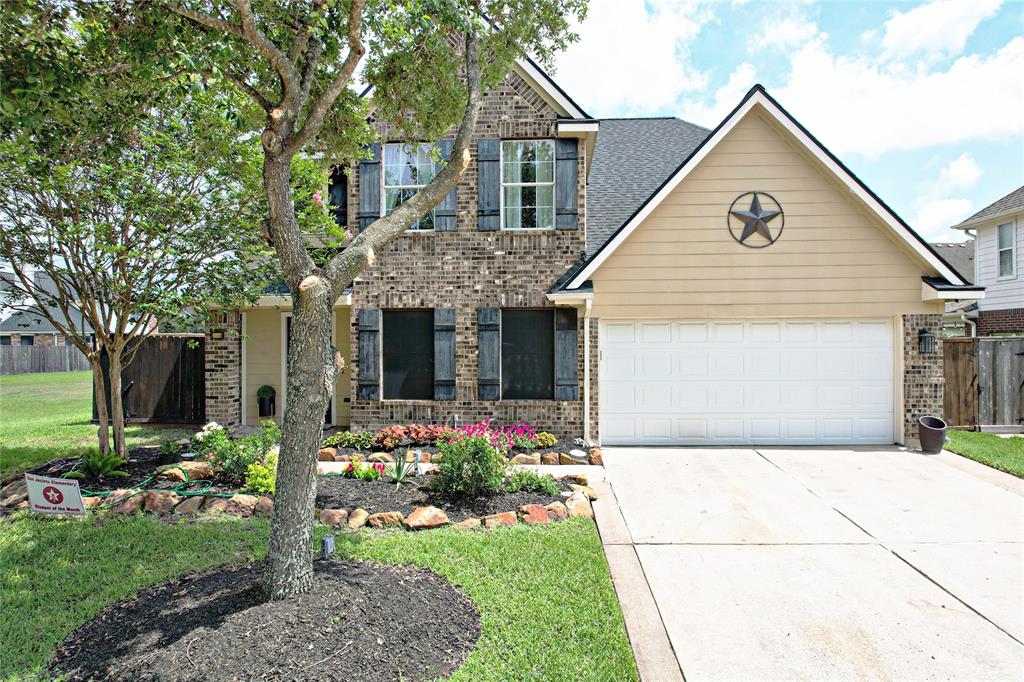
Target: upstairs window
[[408, 354], [1007, 251], [528, 184], [407, 168], [337, 194]]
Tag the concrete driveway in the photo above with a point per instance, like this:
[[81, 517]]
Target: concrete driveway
[[796, 563]]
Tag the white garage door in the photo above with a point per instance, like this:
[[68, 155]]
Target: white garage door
[[669, 382]]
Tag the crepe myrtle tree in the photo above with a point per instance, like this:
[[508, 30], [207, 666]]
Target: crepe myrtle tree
[[296, 60], [130, 231]]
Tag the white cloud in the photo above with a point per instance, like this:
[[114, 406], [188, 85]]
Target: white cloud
[[855, 104], [935, 210], [632, 57], [935, 29], [725, 100], [787, 32]]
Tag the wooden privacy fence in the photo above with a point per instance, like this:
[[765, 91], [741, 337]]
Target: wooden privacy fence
[[165, 383], [35, 359], [984, 382]]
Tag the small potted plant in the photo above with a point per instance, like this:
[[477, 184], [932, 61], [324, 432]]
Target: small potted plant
[[265, 396]]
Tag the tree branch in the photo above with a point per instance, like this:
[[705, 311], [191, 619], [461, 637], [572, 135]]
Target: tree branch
[[361, 253], [284, 66], [314, 123]]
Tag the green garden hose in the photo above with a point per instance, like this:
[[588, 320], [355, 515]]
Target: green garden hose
[[179, 489]]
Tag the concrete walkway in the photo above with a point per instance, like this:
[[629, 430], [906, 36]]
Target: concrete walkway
[[801, 563]]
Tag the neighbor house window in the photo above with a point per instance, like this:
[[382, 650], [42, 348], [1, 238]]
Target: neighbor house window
[[1007, 256], [5, 340], [27, 340], [527, 354], [528, 184], [407, 354], [407, 168]]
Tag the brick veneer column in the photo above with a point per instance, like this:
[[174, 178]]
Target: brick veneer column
[[1009, 321], [223, 358], [923, 379], [595, 362]]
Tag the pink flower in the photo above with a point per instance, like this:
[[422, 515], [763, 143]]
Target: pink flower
[[317, 199]]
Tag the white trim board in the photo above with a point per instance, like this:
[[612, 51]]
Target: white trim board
[[758, 97]]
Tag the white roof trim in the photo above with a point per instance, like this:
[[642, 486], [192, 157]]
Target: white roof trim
[[570, 298], [575, 128], [533, 73], [759, 98], [930, 293], [994, 218]]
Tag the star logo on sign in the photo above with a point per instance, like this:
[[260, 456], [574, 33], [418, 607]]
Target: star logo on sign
[[755, 219], [52, 495]]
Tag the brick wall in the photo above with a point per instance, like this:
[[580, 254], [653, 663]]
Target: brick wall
[[468, 269], [923, 380], [223, 358], [1009, 321]]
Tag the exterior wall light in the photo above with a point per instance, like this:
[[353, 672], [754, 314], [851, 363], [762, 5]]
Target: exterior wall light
[[926, 341]]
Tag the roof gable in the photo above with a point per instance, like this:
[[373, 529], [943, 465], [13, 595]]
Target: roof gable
[[759, 97], [1010, 204]]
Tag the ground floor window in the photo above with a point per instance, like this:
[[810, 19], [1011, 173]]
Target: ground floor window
[[27, 340], [5, 340], [527, 354], [407, 353]]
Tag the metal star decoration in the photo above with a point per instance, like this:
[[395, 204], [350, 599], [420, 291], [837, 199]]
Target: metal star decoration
[[756, 220]]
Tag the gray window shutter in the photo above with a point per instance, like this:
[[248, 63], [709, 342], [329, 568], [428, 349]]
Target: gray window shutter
[[444, 214], [566, 184], [444, 353], [369, 187], [369, 354], [488, 188], [566, 372], [489, 333]]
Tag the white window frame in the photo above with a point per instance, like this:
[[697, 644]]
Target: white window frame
[[1012, 248], [501, 186], [384, 187]]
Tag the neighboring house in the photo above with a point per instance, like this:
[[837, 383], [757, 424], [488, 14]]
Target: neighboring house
[[612, 279], [26, 328], [958, 319], [999, 264]]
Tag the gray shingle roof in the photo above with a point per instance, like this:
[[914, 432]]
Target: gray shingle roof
[[633, 157], [960, 255], [1011, 202]]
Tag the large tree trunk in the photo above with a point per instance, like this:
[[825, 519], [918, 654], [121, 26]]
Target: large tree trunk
[[311, 376], [116, 404], [100, 391]]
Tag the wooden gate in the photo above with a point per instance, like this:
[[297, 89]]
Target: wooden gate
[[166, 382], [984, 382]]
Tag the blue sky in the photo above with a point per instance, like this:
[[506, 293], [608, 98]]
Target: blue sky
[[924, 101]]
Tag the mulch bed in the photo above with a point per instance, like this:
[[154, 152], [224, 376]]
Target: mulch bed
[[360, 622], [335, 492]]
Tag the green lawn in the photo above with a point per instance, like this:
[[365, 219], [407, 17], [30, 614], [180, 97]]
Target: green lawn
[[43, 416], [1005, 454], [548, 609]]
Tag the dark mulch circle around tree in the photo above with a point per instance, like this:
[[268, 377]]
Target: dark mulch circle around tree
[[360, 622], [336, 492]]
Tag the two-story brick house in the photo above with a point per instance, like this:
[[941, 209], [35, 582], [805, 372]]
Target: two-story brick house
[[999, 264], [624, 280]]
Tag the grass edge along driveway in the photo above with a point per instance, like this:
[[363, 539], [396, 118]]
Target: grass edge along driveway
[[1005, 454], [548, 608]]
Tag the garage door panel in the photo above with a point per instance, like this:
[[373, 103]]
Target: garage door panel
[[759, 381]]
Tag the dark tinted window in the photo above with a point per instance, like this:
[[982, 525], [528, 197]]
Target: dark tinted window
[[527, 354], [408, 354], [27, 340], [338, 196], [5, 340]]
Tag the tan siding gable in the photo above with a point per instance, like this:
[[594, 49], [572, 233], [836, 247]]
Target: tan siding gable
[[834, 258]]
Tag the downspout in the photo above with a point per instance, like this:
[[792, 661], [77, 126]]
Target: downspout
[[974, 326], [586, 370]]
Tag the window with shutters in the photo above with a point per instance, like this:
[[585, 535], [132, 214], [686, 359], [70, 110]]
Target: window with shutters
[[527, 354], [1006, 250], [407, 168], [528, 184], [407, 354]]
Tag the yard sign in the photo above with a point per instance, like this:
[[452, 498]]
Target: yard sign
[[54, 495]]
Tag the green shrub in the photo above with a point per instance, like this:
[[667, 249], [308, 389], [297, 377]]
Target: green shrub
[[469, 466], [529, 481], [545, 439], [364, 471], [358, 440], [232, 457], [261, 477], [525, 443], [95, 464]]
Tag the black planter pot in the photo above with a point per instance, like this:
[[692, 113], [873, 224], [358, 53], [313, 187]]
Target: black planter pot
[[931, 431], [166, 458], [266, 406]]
